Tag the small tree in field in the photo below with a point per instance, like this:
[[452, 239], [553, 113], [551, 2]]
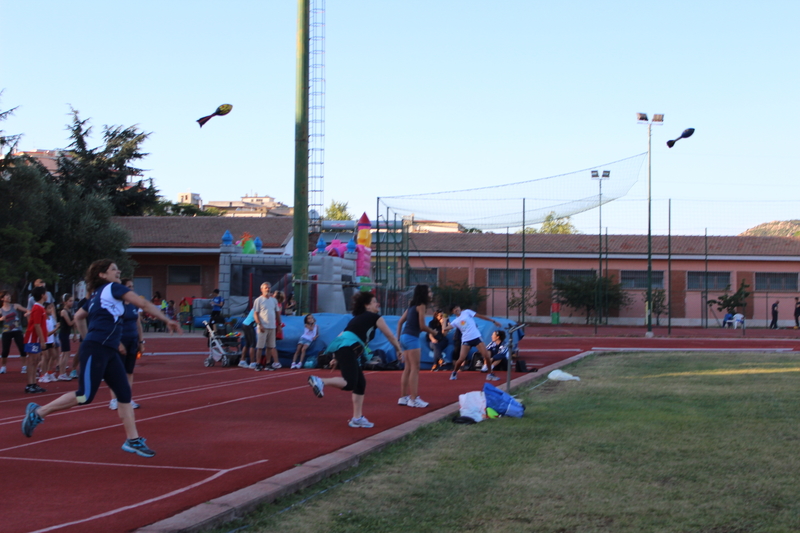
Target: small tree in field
[[732, 302], [659, 303], [584, 293]]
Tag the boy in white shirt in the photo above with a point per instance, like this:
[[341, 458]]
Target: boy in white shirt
[[470, 337]]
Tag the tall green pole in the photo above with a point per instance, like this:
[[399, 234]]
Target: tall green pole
[[300, 228]]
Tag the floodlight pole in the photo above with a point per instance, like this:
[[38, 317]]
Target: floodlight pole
[[596, 176], [658, 119], [300, 224]]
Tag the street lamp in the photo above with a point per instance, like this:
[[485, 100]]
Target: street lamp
[[596, 176], [658, 119]]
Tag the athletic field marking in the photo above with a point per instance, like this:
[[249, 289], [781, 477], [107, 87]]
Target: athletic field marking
[[90, 463], [730, 372], [140, 420], [671, 349], [553, 350], [151, 500]]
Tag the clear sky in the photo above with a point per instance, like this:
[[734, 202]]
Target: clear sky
[[430, 95]]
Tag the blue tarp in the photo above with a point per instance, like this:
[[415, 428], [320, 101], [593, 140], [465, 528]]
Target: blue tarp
[[331, 324]]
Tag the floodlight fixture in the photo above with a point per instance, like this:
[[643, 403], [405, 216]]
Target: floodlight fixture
[[595, 174], [658, 118], [642, 117], [606, 173]]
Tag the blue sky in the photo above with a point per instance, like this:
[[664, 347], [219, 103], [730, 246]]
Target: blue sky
[[431, 95]]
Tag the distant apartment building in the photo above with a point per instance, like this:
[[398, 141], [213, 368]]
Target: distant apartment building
[[192, 198], [252, 206]]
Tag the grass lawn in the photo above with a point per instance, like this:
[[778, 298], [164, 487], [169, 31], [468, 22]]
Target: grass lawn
[[684, 442]]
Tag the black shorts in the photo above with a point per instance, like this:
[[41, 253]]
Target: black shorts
[[216, 317], [347, 361], [64, 341], [473, 343]]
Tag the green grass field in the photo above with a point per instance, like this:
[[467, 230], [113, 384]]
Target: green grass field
[[661, 442]]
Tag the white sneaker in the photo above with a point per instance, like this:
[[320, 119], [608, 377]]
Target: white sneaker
[[64, 377], [51, 377], [2, 370], [360, 423], [44, 379], [113, 404], [417, 402], [403, 401], [253, 366], [484, 368], [492, 377], [134, 404], [243, 364], [24, 369], [276, 366]]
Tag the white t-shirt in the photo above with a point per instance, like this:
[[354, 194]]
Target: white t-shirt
[[466, 323], [309, 334], [266, 309], [51, 326]]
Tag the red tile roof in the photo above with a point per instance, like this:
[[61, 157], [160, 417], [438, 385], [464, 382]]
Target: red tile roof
[[617, 244], [203, 232]]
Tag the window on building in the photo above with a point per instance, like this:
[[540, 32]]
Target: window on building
[[423, 276], [637, 279], [717, 281], [184, 275], [776, 281], [500, 277], [563, 275]]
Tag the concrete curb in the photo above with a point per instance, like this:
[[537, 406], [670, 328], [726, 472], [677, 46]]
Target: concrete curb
[[239, 503]]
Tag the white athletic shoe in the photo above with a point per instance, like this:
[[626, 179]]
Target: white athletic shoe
[[492, 377], [44, 379], [403, 401], [24, 369], [64, 377], [113, 404], [2, 370], [484, 368], [253, 366], [134, 404], [276, 366], [360, 423], [417, 402], [243, 364]]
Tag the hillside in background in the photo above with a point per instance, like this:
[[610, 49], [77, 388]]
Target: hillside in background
[[779, 228]]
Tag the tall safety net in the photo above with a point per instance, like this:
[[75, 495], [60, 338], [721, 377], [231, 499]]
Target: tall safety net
[[497, 207]]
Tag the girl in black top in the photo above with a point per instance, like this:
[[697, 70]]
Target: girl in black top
[[351, 342]]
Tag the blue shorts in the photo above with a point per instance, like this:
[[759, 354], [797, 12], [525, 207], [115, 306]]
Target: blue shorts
[[473, 343], [33, 347], [100, 363], [409, 342]]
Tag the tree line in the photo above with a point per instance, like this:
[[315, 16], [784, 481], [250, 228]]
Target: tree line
[[54, 224]]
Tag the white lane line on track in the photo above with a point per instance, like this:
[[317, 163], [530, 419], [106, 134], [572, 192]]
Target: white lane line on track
[[90, 463], [553, 350], [141, 420], [147, 502], [679, 349]]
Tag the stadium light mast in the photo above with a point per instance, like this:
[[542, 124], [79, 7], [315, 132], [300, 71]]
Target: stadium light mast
[[598, 302], [658, 119]]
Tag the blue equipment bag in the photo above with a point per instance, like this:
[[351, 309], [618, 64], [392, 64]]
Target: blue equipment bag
[[502, 402]]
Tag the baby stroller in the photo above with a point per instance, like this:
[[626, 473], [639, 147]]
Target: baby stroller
[[224, 350]]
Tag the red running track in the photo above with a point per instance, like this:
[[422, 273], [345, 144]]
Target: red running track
[[215, 430]]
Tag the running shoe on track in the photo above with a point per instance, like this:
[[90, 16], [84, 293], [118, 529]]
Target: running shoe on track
[[73, 374], [403, 401], [2, 370], [34, 389], [276, 365], [360, 423], [134, 404], [243, 364], [316, 385], [64, 377], [138, 447], [417, 402], [31, 419], [492, 377], [454, 376], [113, 404]]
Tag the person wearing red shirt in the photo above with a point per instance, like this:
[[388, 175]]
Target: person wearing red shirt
[[36, 337]]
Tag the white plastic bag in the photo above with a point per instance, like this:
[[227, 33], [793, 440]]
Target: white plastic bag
[[559, 375], [473, 405]]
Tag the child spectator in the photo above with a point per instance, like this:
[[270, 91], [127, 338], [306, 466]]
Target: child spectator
[[65, 323], [440, 324], [249, 341], [217, 302], [49, 354], [10, 314], [498, 351], [309, 335]]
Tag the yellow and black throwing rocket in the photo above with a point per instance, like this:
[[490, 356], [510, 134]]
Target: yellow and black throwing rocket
[[224, 109]]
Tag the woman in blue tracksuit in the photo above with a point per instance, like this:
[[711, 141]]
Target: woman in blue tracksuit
[[99, 355]]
